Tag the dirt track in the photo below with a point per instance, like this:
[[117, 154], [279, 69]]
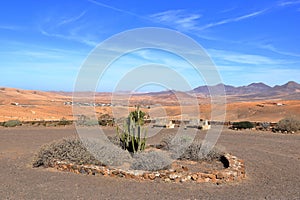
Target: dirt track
[[272, 165]]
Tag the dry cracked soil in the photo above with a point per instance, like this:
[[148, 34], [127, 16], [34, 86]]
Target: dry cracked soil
[[272, 166]]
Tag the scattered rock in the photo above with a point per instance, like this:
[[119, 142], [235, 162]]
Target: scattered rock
[[200, 180], [221, 175], [185, 168], [234, 172], [177, 180], [173, 176], [206, 180], [194, 177], [167, 180], [152, 176], [184, 179], [146, 176]]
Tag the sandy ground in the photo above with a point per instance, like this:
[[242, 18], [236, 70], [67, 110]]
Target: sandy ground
[[38, 105], [272, 165]]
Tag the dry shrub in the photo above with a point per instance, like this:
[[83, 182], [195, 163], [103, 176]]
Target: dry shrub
[[107, 153], [183, 148], [289, 125], [63, 122], [78, 151], [151, 161], [193, 152], [68, 149]]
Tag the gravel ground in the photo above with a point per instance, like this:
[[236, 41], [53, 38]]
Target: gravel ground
[[272, 166]]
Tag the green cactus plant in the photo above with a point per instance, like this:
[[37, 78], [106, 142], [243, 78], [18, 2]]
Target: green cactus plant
[[133, 135]]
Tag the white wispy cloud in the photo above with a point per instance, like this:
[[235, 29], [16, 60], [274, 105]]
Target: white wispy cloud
[[190, 22], [235, 19], [164, 58], [229, 68], [38, 54], [77, 38], [278, 51], [249, 59], [17, 46], [178, 18], [73, 27], [288, 3], [183, 21], [11, 27], [115, 8], [228, 10], [71, 19]]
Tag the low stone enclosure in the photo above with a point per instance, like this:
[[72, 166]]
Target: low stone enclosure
[[234, 170], [176, 158]]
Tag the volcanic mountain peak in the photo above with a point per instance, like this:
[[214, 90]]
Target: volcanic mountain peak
[[259, 85], [291, 85]]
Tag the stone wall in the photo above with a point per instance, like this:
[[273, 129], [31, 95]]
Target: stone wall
[[234, 172]]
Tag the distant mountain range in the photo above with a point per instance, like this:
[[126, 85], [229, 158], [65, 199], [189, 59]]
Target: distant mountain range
[[254, 91], [259, 91], [290, 90], [249, 89]]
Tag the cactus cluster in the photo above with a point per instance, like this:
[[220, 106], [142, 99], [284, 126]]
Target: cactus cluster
[[133, 135]]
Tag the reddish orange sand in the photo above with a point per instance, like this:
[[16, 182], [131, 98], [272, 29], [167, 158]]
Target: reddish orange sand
[[37, 105]]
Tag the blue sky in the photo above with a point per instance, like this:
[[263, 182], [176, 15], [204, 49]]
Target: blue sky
[[44, 43]]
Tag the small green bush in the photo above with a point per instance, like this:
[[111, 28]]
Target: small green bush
[[242, 125], [289, 125], [12, 123], [151, 161]]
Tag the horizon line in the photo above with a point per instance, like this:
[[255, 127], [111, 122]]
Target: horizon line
[[142, 92]]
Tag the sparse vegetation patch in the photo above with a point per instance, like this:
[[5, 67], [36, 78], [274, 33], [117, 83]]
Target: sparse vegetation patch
[[185, 148], [12, 123], [106, 120], [63, 122], [68, 149], [126, 155], [151, 161], [242, 125], [86, 121], [288, 125]]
